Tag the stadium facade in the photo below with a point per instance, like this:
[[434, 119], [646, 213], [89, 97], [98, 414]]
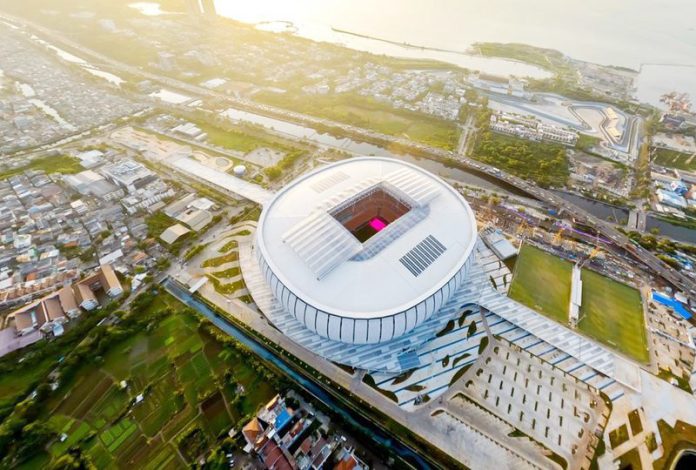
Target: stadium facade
[[365, 250]]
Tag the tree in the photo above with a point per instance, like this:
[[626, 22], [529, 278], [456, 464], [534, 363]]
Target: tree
[[273, 172], [471, 95], [34, 436], [74, 459]]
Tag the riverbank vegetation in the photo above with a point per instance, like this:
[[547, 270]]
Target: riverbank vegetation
[[643, 179], [544, 163]]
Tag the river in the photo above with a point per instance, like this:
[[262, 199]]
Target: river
[[624, 33], [68, 57], [357, 421], [667, 229], [297, 131], [613, 213]]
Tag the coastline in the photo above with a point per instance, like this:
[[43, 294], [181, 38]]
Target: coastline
[[467, 53]]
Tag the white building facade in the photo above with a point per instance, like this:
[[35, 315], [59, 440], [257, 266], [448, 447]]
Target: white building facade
[[364, 250]]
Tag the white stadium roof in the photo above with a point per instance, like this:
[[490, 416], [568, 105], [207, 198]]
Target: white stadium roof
[[324, 264]]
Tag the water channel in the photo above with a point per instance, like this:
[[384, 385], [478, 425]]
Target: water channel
[[357, 421], [297, 131], [614, 213]]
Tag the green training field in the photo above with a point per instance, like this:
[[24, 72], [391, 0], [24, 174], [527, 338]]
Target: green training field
[[612, 313], [542, 282]]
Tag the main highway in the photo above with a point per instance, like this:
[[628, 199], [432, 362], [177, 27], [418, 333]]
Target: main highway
[[677, 279]]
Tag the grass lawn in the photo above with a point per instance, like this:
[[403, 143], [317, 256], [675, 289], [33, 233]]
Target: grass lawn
[[630, 460], [618, 436], [228, 246], [59, 164], [673, 159], [158, 223], [226, 289], [634, 421], [231, 272], [361, 111], [220, 260], [233, 140], [612, 313], [542, 282]]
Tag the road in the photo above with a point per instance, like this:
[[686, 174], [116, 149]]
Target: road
[[678, 280], [468, 131]]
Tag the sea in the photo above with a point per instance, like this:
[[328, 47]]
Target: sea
[[657, 38]]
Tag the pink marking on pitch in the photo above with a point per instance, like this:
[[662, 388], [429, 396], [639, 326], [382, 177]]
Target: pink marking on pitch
[[377, 224]]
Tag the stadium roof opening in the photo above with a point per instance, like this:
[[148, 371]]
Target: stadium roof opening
[[370, 211]]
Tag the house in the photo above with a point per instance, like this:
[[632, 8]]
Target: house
[[53, 310], [110, 283], [43, 314], [85, 296], [50, 312], [173, 233], [29, 319], [104, 278], [347, 460], [195, 219], [251, 432], [273, 457], [68, 302]]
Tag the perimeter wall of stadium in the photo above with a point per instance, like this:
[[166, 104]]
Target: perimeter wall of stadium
[[362, 331]]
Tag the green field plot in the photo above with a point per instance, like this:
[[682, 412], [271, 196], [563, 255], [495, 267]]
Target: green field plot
[[18, 382], [81, 397], [542, 282], [674, 159], [74, 430], [612, 313], [161, 405], [114, 436], [183, 373], [100, 457], [215, 413], [59, 164]]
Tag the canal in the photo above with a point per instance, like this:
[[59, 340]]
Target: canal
[[357, 421], [612, 213], [297, 131]]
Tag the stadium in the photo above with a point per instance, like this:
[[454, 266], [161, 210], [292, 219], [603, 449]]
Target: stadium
[[365, 250]]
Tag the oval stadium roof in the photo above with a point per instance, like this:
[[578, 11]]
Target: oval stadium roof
[[366, 237]]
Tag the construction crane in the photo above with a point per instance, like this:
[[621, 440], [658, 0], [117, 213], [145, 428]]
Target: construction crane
[[558, 237], [595, 251]]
